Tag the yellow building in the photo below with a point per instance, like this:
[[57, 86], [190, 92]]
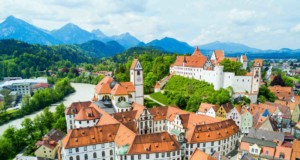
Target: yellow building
[[223, 110], [46, 149]]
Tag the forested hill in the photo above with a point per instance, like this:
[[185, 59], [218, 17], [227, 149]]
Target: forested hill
[[21, 59]]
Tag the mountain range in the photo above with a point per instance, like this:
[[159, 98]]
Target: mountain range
[[102, 45]]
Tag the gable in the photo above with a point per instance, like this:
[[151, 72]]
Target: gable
[[138, 65]]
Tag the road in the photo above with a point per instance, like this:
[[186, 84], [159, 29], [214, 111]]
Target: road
[[148, 96]]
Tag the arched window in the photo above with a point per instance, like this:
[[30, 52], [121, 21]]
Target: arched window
[[86, 157], [77, 157], [71, 158], [121, 99], [111, 152], [103, 154], [105, 98], [95, 155], [129, 96]]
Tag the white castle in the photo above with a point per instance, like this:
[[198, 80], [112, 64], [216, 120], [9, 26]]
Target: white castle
[[200, 67]]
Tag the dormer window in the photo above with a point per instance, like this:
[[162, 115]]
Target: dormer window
[[90, 114]]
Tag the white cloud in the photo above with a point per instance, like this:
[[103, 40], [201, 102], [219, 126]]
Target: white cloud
[[259, 29], [296, 28], [242, 16]]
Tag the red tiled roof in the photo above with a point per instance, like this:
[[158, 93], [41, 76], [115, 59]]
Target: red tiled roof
[[41, 85], [119, 90], [211, 132], [87, 113], [89, 136], [128, 86], [134, 63], [200, 155], [219, 55], [154, 143], [191, 61], [103, 87], [75, 107], [204, 107], [258, 62], [197, 52]]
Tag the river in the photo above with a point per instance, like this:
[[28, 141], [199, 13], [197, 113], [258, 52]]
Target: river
[[84, 92]]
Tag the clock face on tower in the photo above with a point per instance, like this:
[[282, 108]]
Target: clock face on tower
[[138, 79]]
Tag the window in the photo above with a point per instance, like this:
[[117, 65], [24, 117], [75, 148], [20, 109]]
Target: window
[[102, 145], [94, 155], [79, 122], [267, 152], [111, 152], [156, 155], [174, 153], [252, 150], [77, 157], [138, 73], [163, 155], [147, 156], [139, 156], [256, 150], [77, 149], [71, 158], [94, 146], [168, 154], [85, 148], [111, 144], [132, 157], [86, 157], [103, 154], [178, 152], [203, 144]]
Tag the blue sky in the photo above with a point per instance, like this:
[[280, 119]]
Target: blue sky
[[265, 24]]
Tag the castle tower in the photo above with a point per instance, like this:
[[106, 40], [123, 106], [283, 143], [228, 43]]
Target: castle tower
[[256, 75], [136, 77]]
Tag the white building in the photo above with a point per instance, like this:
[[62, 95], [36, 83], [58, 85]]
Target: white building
[[235, 115], [207, 109], [22, 86], [200, 67]]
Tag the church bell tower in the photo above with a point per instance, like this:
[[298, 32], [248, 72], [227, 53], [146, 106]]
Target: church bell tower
[[136, 77]]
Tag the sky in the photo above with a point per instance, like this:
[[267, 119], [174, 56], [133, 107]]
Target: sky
[[264, 24]]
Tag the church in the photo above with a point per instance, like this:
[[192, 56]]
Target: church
[[120, 95]]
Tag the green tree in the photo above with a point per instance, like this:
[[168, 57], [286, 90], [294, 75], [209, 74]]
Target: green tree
[[7, 149], [29, 128], [233, 66], [181, 101], [149, 82]]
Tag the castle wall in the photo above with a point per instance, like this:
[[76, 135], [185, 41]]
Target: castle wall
[[242, 84]]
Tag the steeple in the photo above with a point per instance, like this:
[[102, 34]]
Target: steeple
[[197, 52]]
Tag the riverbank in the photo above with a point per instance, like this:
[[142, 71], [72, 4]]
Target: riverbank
[[83, 92]]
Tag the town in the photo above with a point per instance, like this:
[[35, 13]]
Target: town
[[150, 79], [116, 124]]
